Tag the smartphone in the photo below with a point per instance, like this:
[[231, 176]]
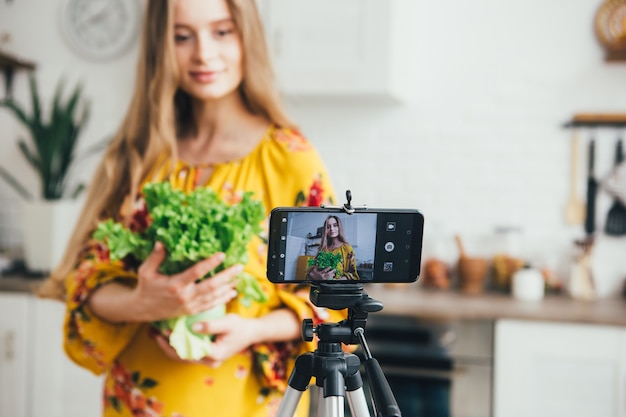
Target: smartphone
[[308, 244]]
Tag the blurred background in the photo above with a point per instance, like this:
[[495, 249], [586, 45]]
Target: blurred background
[[471, 133], [458, 109]]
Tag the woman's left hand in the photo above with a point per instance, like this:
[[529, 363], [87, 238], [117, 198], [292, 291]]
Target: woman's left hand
[[232, 333]]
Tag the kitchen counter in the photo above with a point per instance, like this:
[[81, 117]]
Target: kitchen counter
[[413, 300], [11, 283]]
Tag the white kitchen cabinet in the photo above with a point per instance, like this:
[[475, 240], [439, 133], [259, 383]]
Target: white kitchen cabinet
[[557, 369], [14, 354], [36, 377], [347, 48], [60, 388]]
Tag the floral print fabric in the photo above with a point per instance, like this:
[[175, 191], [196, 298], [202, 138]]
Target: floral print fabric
[[283, 170]]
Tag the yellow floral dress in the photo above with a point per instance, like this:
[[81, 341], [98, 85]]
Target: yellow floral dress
[[346, 267], [283, 170]]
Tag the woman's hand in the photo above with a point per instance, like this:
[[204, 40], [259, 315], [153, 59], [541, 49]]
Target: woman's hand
[[234, 334], [161, 296], [158, 296], [220, 348], [324, 274]]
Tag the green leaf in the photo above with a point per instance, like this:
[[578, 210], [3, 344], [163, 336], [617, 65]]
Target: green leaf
[[250, 290], [17, 110], [115, 403], [78, 190], [51, 149], [189, 345], [148, 383], [19, 188], [120, 241]]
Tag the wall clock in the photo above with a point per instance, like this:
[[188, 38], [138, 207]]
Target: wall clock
[[610, 28], [100, 29]]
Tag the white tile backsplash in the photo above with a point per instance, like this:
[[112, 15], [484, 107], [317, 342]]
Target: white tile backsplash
[[10, 229]]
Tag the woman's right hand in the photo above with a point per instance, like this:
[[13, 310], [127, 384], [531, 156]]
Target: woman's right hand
[[158, 296], [323, 274]]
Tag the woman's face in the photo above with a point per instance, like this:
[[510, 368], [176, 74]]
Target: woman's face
[[208, 48], [332, 227]]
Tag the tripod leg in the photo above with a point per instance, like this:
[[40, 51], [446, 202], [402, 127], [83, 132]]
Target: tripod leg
[[333, 406], [357, 403], [298, 383], [289, 403], [355, 395]]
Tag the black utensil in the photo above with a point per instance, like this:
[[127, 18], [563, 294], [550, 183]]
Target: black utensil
[[592, 190], [616, 218]]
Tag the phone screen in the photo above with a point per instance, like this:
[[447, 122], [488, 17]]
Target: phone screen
[[330, 245]]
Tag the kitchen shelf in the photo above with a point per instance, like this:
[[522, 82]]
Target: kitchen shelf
[[9, 64], [597, 120]]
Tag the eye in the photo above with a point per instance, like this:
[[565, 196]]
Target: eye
[[181, 37], [224, 32]]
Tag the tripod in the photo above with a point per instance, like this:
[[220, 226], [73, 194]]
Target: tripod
[[337, 372]]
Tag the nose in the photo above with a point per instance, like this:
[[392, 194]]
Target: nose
[[206, 47]]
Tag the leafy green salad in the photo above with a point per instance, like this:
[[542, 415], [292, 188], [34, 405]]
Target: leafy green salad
[[327, 259], [191, 227]]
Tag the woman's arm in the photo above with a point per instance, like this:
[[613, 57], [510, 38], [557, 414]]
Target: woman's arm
[[276, 326], [157, 296], [349, 263], [234, 334], [316, 274]]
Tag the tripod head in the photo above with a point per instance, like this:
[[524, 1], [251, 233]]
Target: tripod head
[[338, 297], [350, 331]]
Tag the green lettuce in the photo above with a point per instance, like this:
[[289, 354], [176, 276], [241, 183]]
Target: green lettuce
[[191, 227]]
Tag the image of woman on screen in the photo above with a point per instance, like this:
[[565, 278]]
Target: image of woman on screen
[[335, 259]]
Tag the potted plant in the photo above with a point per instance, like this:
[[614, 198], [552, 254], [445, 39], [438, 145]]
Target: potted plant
[[49, 217]]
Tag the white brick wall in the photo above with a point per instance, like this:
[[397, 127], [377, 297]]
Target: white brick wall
[[480, 143]]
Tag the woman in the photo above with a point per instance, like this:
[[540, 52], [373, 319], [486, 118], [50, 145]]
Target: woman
[[334, 243], [204, 113]]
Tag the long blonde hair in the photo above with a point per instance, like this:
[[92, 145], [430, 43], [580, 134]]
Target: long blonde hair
[[327, 241], [158, 113]]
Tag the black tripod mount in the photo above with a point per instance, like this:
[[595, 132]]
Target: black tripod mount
[[337, 373]]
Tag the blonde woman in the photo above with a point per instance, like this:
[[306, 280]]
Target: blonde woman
[[204, 113], [334, 242]]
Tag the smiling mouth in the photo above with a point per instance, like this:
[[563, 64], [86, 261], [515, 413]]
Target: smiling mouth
[[205, 76]]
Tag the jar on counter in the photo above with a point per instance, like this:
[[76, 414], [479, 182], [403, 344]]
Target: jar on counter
[[528, 284], [507, 255]]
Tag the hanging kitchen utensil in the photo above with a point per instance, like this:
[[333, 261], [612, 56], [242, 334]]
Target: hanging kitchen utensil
[[615, 183], [592, 190], [616, 218], [575, 208]]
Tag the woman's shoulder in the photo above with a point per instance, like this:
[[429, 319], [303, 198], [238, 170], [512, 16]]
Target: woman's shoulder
[[288, 141], [287, 157], [288, 149]]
